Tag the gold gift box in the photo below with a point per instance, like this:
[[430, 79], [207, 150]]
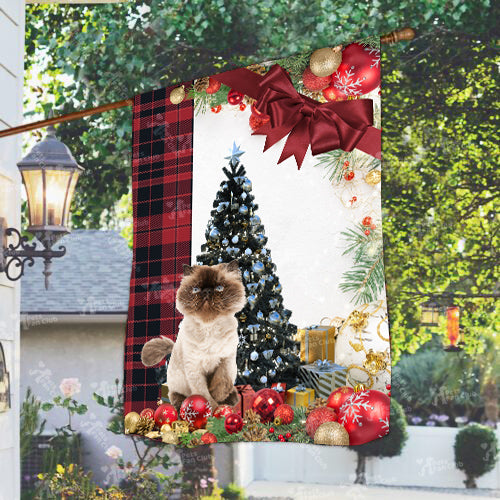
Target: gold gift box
[[164, 393], [317, 342], [299, 396]]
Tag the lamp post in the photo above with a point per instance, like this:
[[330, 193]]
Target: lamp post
[[50, 173], [430, 314]]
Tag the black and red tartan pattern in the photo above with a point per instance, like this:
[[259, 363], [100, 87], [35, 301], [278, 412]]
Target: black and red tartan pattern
[[162, 170]]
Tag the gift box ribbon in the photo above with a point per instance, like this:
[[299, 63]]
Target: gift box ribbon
[[323, 126]]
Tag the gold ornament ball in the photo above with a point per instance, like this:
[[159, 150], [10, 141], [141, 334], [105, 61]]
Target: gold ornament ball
[[170, 437], [177, 95], [374, 177], [131, 421], [325, 61], [332, 434]]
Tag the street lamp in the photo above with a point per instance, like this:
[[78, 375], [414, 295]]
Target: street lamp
[[430, 314], [453, 328], [50, 174]]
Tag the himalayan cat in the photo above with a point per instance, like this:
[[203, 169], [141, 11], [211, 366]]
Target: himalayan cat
[[203, 359]]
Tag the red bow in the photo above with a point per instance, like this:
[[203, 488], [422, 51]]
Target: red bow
[[324, 126]]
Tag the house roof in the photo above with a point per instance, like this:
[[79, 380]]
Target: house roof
[[92, 278]]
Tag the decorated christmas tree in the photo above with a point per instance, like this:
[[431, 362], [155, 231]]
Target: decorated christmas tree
[[267, 352]]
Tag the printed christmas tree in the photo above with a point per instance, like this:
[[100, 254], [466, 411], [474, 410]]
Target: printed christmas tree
[[267, 352]]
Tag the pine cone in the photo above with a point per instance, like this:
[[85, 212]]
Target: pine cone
[[145, 425], [255, 433], [201, 84], [257, 68], [251, 417], [195, 442], [316, 404]]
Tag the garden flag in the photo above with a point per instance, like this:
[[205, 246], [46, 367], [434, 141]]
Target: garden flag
[[257, 296]]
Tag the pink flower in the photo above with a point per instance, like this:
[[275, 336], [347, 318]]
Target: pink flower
[[203, 483], [70, 387], [114, 452]]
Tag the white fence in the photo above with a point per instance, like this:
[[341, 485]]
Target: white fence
[[427, 460]]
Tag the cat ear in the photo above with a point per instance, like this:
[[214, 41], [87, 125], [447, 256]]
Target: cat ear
[[187, 270], [233, 266]]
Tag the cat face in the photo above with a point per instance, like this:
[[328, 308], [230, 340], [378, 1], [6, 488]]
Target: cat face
[[211, 291]]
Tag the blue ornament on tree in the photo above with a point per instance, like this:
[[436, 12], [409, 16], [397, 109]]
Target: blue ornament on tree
[[263, 379], [214, 233], [247, 184], [252, 299], [248, 251], [272, 373], [277, 287], [246, 274], [225, 242], [243, 209], [268, 354], [274, 318], [235, 239], [252, 287], [254, 355], [258, 267], [255, 220], [273, 303], [260, 316]]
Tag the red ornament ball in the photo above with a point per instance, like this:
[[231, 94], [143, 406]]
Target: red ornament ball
[[195, 410], [285, 413], [367, 221], [213, 86], [332, 93], [265, 402], [338, 397], [165, 414], [243, 107], [365, 416], [314, 83], [317, 417], [148, 413], [257, 121], [222, 411], [208, 438], [216, 109], [234, 97], [349, 176], [233, 423], [359, 71], [388, 387], [367, 232]]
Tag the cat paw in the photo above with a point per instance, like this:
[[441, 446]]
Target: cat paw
[[220, 387], [232, 398]]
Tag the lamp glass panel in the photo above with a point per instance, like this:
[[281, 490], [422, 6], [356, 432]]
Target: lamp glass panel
[[69, 199], [56, 191], [34, 191]]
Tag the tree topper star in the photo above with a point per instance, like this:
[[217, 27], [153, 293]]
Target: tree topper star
[[235, 154]]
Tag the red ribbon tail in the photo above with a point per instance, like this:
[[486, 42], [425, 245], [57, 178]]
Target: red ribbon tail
[[297, 143]]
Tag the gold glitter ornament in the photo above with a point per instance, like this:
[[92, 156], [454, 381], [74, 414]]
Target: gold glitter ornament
[[165, 428], [277, 421], [358, 320], [373, 177], [170, 437], [180, 426], [332, 434], [325, 61], [375, 362], [131, 421], [177, 95]]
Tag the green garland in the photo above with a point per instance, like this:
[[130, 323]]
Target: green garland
[[204, 101]]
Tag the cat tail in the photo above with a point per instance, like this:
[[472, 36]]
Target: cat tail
[[155, 350]]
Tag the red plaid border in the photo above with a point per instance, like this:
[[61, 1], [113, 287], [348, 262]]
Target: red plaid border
[[162, 169]]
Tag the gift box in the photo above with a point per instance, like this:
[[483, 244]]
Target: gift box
[[279, 387], [323, 376], [246, 394], [317, 342], [299, 396]]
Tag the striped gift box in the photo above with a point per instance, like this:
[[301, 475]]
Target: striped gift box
[[323, 376]]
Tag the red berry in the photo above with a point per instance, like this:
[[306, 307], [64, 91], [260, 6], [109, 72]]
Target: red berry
[[271, 429], [389, 393], [346, 163], [373, 226], [349, 176], [243, 107], [388, 387], [288, 435], [367, 232], [367, 221], [354, 198], [281, 436], [216, 109]]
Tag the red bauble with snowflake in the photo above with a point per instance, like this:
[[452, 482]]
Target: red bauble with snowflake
[[265, 402], [365, 416], [359, 72], [222, 411], [314, 83], [195, 410], [213, 86], [338, 397], [148, 413], [317, 417], [233, 423], [208, 438], [285, 413], [234, 97], [165, 414]]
